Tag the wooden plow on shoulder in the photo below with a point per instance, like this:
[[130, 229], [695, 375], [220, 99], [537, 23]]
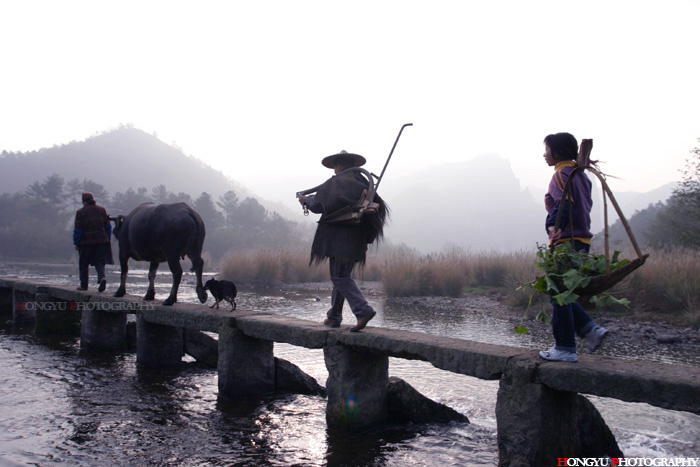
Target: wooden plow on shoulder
[[365, 205]]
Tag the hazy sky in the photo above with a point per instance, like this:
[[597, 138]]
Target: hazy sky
[[262, 90]]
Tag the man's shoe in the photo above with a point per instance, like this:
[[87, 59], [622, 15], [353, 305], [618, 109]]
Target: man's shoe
[[103, 285], [556, 355], [331, 324], [595, 337], [81, 288], [362, 322]]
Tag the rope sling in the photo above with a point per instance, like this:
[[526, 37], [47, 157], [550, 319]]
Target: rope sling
[[351, 215], [601, 282]]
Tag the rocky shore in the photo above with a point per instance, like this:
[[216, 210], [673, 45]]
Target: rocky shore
[[623, 327]]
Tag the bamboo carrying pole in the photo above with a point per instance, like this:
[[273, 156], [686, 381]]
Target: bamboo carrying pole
[[603, 282], [583, 161]]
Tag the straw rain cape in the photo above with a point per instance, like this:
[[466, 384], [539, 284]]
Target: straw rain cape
[[346, 242]]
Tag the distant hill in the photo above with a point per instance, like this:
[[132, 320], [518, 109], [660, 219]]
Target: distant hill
[[629, 201], [120, 159], [632, 201], [479, 205], [476, 205], [640, 210]]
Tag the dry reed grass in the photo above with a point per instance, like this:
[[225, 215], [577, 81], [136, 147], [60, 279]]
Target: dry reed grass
[[270, 267], [406, 273], [443, 274], [668, 284], [276, 266]]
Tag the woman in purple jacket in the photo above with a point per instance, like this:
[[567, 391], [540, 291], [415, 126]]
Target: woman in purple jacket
[[561, 151]]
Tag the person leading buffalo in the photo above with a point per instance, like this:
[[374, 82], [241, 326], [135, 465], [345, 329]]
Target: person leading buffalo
[[91, 237], [344, 243]]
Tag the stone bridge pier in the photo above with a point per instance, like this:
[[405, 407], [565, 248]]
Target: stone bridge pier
[[538, 425], [357, 388], [158, 345], [6, 295], [103, 330], [246, 365]]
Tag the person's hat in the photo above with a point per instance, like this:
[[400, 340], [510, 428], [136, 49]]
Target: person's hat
[[356, 159], [87, 197]]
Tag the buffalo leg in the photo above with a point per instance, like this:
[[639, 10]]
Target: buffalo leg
[[198, 267], [152, 271], [176, 269], [124, 263]]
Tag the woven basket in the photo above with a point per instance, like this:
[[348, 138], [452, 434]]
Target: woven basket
[[603, 282]]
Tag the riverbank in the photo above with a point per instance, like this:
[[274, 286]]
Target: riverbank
[[624, 327]]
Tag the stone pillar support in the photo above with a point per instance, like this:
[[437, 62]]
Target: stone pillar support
[[158, 345], [5, 301], [357, 388], [246, 365], [102, 330], [23, 306], [53, 316], [538, 425]]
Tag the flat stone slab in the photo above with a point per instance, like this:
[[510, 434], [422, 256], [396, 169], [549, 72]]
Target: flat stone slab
[[670, 386], [295, 331], [481, 360]]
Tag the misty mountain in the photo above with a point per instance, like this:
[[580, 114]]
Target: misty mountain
[[121, 159], [479, 204], [475, 205]]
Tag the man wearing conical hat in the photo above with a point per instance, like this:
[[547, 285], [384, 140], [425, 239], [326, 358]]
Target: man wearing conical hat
[[344, 243]]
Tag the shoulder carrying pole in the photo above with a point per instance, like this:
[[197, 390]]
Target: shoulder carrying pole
[[379, 179]]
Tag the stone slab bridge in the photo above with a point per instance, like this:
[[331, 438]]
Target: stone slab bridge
[[539, 412]]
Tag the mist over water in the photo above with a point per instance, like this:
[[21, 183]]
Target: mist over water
[[65, 406]]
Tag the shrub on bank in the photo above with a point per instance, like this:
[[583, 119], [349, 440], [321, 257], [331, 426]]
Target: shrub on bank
[[667, 284]]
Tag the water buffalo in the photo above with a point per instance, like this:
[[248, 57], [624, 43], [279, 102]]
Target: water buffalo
[[158, 233]]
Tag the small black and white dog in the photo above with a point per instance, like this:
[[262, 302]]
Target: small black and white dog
[[222, 290]]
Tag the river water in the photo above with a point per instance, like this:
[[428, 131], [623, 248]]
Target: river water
[[64, 406]]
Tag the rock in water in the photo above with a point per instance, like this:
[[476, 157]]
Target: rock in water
[[408, 405]]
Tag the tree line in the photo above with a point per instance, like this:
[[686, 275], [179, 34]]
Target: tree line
[[671, 224], [36, 224]]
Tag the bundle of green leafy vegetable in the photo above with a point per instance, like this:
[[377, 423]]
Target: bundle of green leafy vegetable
[[566, 272]]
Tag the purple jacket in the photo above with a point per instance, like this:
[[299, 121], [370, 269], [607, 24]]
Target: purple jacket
[[579, 200]]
